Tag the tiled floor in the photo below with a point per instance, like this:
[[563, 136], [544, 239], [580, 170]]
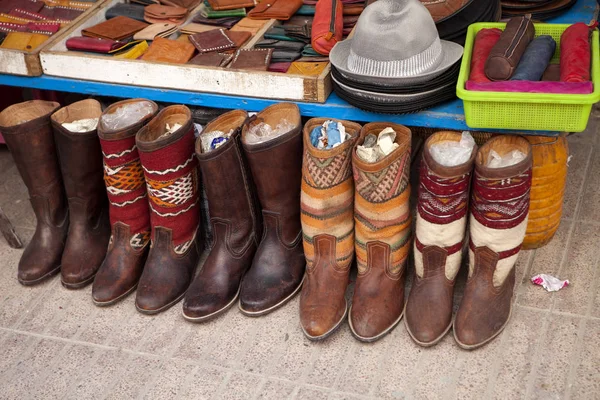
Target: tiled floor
[[55, 343]]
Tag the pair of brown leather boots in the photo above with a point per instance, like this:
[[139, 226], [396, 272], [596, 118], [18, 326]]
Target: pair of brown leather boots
[[253, 192], [63, 174], [497, 219], [351, 207]]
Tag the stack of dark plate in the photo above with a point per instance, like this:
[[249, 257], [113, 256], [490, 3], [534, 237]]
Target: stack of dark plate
[[539, 9], [396, 99], [453, 17]]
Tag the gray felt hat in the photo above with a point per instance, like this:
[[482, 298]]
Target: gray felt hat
[[395, 42]]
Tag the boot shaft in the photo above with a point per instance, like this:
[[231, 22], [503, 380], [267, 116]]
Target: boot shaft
[[123, 173], [80, 157], [442, 207], [499, 207], [27, 131], [327, 197], [381, 203], [166, 149], [276, 167], [229, 186]]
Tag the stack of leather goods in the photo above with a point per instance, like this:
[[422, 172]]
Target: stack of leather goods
[[26, 24], [539, 9], [395, 62], [453, 17]]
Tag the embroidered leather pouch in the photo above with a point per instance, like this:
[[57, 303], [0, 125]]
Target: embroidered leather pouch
[[215, 40], [506, 53], [170, 51], [252, 59], [115, 28], [328, 26]]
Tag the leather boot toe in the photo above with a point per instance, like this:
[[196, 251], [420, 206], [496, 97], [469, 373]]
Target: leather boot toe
[[368, 323], [319, 322]]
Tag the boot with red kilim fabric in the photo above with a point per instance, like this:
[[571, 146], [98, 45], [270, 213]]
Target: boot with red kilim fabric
[[499, 211], [129, 212], [440, 232], [166, 147]]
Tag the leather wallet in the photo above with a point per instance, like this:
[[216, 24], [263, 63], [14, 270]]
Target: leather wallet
[[285, 56], [61, 13], [299, 32], [252, 59], [249, 25], [115, 28], [275, 9], [135, 11], [307, 68], [82, 5], [215, 40], [239, 38], [230, 4], [278, 33], [158, 13], [193, 28], [208, 12], [162, 29], [507, 52], [25, 41], [133, 53], [213, 59], [280, 45], [44, 28], [93, 45], [226, 22], [281, 67], [187, 4], [7, 6], [170, 51]]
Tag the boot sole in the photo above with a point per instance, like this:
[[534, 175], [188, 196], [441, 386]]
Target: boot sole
[[477, 345], [78, 285], [115, 300], [163, 308], [214, 314], [378, 336], [39, 280], [328, 333], [272, 308]]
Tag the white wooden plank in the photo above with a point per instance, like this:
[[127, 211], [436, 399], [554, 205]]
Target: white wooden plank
[[182, 77], [13, 62]]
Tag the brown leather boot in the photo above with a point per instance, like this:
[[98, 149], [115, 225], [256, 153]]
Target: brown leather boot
[[382, 235], [278, 266], [27, 131], [499, 211], [440, 232], [327, 200], [166, 148], [129, 244], [234, 220], [81, 165]]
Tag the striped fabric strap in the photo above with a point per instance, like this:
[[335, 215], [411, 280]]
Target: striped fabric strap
[[501, 254], [449, 249]]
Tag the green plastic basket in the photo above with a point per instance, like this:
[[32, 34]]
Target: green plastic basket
[[527, 111]]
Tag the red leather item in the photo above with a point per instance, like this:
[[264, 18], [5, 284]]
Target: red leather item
[[45, 28], [484, 42], [575, 53], [328, 26], [94, 45]]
